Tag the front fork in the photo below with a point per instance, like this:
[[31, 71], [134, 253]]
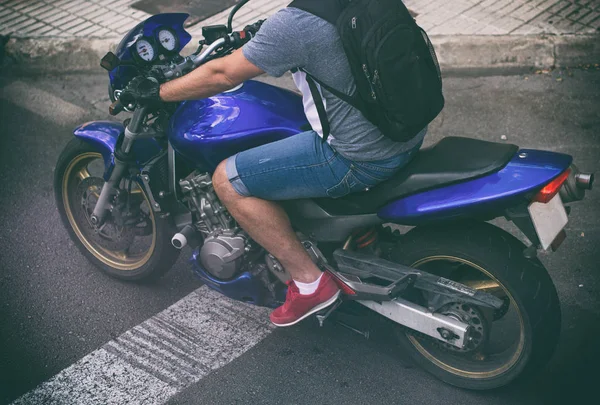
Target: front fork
[[122, 163]]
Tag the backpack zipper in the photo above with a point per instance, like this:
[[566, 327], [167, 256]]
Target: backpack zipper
[[368, 76], [353, 23], [406, 58], [376, 78]]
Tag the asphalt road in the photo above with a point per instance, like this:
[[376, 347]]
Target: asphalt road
[[55, 307]]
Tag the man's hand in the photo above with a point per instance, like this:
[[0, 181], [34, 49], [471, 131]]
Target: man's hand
[[144, 90]]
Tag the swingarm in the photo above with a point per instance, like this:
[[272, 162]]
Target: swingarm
[[381, 285]]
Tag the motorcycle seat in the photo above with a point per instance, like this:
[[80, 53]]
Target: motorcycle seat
[[452, 160]]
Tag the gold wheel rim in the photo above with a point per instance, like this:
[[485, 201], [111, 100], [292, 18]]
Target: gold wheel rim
[[493, 284], [119, 260]]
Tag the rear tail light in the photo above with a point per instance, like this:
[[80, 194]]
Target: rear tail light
[[552, 188]]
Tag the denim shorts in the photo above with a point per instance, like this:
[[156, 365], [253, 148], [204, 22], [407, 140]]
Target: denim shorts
[[303, 166]]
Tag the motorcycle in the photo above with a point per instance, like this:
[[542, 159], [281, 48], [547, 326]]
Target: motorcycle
[[471, 303]]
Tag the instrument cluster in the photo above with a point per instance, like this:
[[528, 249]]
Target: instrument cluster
[[164, 42]]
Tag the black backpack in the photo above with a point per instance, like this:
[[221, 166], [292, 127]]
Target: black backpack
[[398, 80]]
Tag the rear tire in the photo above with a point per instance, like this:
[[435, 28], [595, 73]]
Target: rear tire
[[525, 280], [151, 264]]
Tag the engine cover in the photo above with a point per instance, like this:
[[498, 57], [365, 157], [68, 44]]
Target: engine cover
[[222, 255]]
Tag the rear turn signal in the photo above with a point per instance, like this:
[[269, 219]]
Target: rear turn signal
[[552, 188]]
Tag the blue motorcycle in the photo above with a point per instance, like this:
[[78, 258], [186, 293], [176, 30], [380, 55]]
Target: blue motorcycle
[[468, 301]]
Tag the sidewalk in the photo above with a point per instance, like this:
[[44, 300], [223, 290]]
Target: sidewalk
[[467, 33]]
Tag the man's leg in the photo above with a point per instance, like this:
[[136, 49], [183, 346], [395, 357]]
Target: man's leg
[[268, 224], [301, 166]]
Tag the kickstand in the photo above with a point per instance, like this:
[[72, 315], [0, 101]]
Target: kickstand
[[363, 333], [322, 315]]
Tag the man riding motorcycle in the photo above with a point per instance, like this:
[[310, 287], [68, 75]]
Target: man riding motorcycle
[[355, 157]]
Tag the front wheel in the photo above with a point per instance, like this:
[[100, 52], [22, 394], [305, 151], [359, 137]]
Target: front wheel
[[133, 243], [517, 339]]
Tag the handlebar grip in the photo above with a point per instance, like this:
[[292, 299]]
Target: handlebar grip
[[240, 38], [116, 108], [252, 29]]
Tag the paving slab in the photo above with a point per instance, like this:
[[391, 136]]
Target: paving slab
[[514, 29]]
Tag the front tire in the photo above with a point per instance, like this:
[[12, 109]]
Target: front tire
[[484, 256], [142, 253]]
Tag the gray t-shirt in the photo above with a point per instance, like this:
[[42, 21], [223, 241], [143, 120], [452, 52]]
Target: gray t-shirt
[[295, 38]]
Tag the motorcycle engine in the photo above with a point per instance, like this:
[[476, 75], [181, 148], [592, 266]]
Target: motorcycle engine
[[224, 247], [222, 255]]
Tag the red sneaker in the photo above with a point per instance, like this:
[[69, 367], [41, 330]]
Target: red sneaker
[[297, 306]]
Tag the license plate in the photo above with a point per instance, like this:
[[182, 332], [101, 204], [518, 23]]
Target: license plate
[[548, 219]]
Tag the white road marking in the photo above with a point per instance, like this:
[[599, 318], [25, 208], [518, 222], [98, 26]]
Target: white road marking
[[42, 103], [156, 359]]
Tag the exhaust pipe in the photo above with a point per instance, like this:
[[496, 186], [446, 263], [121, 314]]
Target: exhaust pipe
[[180, 239], [584, 181], [574, 187]]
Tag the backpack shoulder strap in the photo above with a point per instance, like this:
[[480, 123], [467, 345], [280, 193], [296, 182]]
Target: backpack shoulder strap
[[354, 100], [316, 95], [329, 10]]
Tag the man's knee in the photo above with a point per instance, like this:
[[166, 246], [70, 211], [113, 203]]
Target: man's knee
[[219, 178], [221, 183]]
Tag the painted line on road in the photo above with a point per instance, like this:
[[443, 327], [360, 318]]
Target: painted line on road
[[42, 103], [163, 355]]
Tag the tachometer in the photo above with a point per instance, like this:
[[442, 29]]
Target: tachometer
[[145, 50], [167, 39]]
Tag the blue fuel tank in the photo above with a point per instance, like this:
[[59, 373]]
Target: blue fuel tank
[[208, 131]]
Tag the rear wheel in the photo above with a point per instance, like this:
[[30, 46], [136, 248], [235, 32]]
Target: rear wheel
[[517, 339], [133, 243]]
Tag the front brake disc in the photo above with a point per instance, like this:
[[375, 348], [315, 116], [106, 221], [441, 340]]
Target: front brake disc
[[109, 236]]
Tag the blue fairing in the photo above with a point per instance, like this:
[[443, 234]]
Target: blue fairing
[[487, 195], [245, 287], [120, 76], [103, 136], [210, 130]]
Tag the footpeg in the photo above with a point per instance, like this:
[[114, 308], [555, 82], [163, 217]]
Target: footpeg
[[325, 313]]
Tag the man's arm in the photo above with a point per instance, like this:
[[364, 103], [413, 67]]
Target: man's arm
[[211, 78]]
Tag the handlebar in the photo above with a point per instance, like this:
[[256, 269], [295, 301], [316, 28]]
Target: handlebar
[[193, 61], [199, 59], [235, 39]]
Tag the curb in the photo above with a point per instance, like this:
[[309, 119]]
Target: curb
[[510, 52], [455, 53]]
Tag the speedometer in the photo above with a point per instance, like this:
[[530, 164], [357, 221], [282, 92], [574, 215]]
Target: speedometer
[[167, 39], [145, 50]]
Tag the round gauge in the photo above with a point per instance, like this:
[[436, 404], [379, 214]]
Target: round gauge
[[145, 50], [167, 39]]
